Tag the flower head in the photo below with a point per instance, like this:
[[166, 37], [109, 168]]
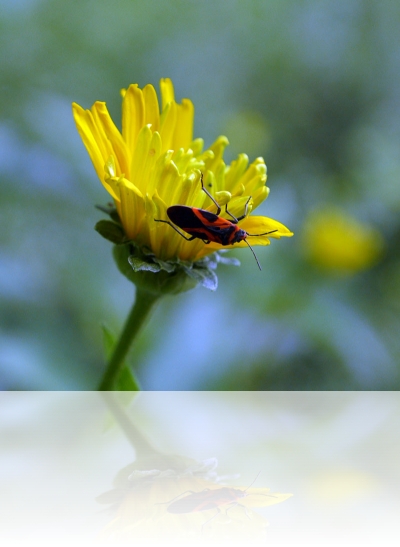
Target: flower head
[[339, 243], [174, 498], [154, 163]]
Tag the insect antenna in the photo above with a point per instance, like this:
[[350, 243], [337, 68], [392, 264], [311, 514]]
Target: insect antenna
[[264, 234], [259, 473], [248, 244], [254, 254], [250, 485]]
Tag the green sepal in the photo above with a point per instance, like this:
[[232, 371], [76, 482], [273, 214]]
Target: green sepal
[[139, 265], [110, 211], [166, 266], [227, 261], [205, 276], [151, 275], [110, 230], [157, 276]]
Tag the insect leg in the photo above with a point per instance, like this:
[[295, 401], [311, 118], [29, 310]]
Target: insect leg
[[245, 209], [231, 506], [176, 229], [209, 520], [209, 195], [236, 220]]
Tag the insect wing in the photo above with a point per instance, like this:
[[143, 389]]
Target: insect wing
[[206, 500], [185, 217], [202, 224], [192, 503]]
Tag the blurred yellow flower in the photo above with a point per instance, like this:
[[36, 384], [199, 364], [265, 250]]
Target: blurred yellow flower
[[154, 163], [335, 241], [337, 485]]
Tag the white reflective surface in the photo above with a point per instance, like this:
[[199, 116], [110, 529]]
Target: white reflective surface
[[176, 468]]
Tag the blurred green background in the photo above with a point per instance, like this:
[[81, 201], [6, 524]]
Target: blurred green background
[[312, 86]]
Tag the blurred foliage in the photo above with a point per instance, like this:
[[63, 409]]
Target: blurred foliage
[[311, 86]]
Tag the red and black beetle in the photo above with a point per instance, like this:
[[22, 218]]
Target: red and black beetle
[[206, 500], [202, 224], [209, 499]]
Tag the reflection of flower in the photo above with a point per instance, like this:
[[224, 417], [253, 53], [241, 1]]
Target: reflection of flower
[[143, 497], [339, 243], [155, 163], [168, 497]]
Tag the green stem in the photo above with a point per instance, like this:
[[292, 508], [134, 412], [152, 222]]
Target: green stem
[[144, 303], [143, 448]]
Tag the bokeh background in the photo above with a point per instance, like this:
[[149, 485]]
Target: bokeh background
[[312, 86]]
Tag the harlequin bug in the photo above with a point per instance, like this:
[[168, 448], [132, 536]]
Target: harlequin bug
[[209, 499], [207, 226], [206, 500]]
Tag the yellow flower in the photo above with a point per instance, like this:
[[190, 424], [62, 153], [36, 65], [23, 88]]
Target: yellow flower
[[337, 242], [175, 504], [154, 163]]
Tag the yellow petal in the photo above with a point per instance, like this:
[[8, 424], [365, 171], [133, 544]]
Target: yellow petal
[[235, 172], [160, 232], [263, 497], [259, 196], [260, 225], [111, 136], [255, 175], [183, 158], [140, 157], [187, 190], [197, 146], [167, 92], [152, 110], [110, 179], [217, 148], [167, 126], [167, 176], [220, 177], [149, 181], [184, 125], [93, 141], [132, 208], [132, 115], [223, 197]]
